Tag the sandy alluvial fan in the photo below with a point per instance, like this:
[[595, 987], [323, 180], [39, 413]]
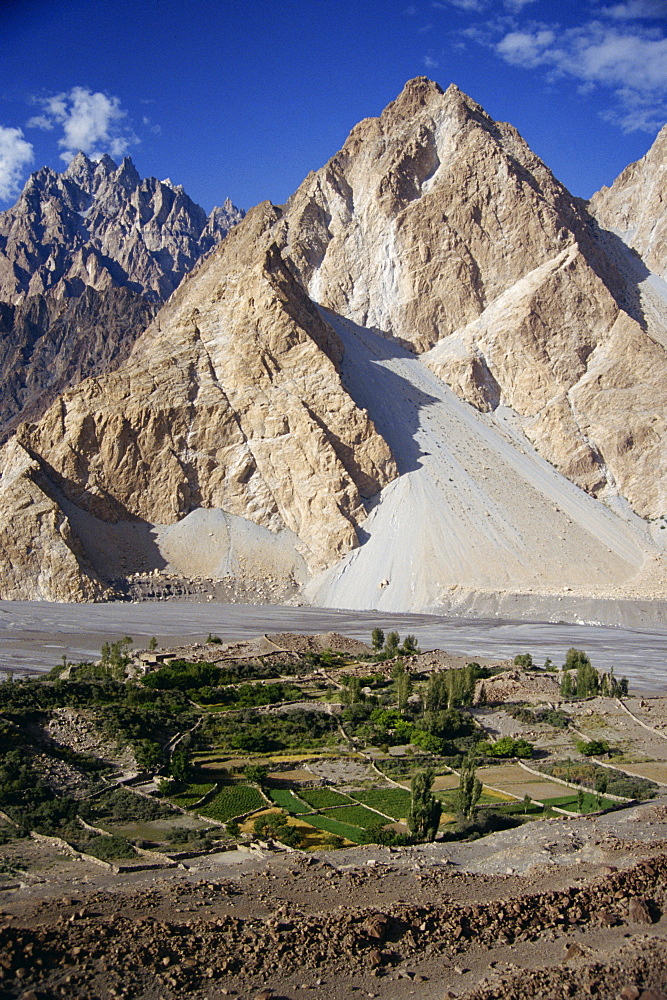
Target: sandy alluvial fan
[[432, 372]]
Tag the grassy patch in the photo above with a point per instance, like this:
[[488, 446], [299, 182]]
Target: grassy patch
[[394, 802], [590, 803], [287, 800], [190, 794], [231, 801], [357, 816], [323, 798], [353, 833]]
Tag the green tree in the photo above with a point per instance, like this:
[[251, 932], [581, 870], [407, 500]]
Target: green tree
[[470, 788], [402, 685], [587, 682], [275, 826], [410, 647], [524, 660], [116, 656], [437, 691], [391, 644], [256, 774], [353, 694], [148, 754], [425, 809], [179, 765], [153, 643], [567, 688], [377, 639]]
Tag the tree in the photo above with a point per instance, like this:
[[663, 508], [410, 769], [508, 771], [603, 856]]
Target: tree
[[180, 765], [153, 643], [391, 645], [275, 826], [115, 656], [256, 774], [470, 788], [566, 685], [425, 809], [437, 692], [402, 685], [524, 660], [409, 647], [526, 803], [377, 639], [148, 754], [587, 681], [353, 695]]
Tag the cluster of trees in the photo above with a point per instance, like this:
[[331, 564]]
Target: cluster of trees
[[256, 733], [581, 679], [390, 647], [275, 826], [506, 746], [435, 732]]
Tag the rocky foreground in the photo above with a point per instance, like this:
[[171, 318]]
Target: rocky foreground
[[559, 909]]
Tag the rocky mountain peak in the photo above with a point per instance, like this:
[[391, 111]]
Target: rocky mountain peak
[[383, 364], [635, 206], [97, 227]]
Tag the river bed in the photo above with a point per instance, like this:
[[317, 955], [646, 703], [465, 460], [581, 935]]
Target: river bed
[[34, 636]]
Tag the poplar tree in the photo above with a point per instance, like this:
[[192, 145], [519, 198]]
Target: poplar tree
[[425, 809]]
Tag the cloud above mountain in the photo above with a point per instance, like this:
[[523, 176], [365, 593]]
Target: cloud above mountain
[[16, 153], [90, 121], [616, 49]]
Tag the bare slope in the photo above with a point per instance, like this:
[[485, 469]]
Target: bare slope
[[634, 206], [475, 508]]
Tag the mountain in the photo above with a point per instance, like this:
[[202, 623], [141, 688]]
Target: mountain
[[86, 258], [635, 206], [418, 379]]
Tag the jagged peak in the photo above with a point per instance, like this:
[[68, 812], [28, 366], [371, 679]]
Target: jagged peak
[[105, 165]]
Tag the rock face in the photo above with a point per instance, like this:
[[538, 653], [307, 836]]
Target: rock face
[[86, 257], [273, 384], [635, 206], [438, 226], [239, 407]]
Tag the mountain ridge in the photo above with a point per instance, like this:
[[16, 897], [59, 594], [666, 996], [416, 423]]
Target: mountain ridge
[[87, 256], [438, 230]]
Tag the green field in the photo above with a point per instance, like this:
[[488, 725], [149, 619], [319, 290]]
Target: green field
[[231, 801], [353, 833], [590, 803], [191, 794], [357, 816], [394, 802], [323, 798], [288, 800]]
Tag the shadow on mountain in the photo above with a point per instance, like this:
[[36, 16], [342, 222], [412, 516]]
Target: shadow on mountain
[[392, 401], [624, 273]]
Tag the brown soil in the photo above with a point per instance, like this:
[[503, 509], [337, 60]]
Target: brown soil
[[560, 908]]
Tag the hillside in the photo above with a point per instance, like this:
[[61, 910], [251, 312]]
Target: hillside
[[429, 373]]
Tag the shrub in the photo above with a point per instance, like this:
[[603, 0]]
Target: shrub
[[592, 748]]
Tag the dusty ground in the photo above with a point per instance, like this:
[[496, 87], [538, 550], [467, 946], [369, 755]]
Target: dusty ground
[[558, 908]]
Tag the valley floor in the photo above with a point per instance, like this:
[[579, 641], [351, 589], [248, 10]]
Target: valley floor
[[578, 910]]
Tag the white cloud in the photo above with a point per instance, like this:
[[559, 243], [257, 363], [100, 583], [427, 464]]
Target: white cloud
[[91, 122], [474, 5], [637, 9], [15, 155], [430, 63], [516, 6], [632, 61]]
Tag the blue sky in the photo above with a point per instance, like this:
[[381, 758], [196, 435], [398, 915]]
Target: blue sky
[[241, 98]]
